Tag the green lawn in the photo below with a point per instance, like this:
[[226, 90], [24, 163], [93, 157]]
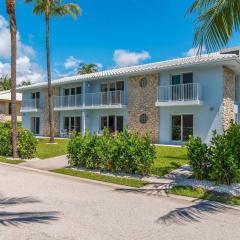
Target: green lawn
[[168, 159], [203, 194], [45, 150], [4, 160], [99, 177]]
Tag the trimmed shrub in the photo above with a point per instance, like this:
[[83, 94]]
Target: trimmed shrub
[[27, 144], [198, 154], [5, 139], [224, 165], [126, 152], [219, 162]]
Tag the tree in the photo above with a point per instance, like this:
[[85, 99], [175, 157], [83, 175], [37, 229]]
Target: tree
[[10, 6], [25, 83], [52, 8], [216, 21], [5, 83], [85, 68]]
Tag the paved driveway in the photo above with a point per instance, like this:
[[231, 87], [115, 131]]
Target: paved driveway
[[38, 206]]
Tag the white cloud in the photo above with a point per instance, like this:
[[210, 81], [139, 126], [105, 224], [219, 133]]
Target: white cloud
[[124, 58], [26, 68], [193, 52], [71, 62]]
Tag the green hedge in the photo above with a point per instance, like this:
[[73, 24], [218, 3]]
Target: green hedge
[[125, 152], [26, 144], [219, 162]]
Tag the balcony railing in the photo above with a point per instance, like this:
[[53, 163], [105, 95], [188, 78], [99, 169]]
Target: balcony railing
[[180, 94], [31, 105], [99, 99]]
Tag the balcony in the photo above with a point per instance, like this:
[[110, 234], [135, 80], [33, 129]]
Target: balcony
[[31, 105], [179, 95], [99, 100]]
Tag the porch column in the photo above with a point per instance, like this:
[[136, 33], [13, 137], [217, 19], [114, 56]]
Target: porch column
[[84, 93]]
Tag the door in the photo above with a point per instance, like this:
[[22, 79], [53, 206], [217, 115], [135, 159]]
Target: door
[[36, 97], [35, 125], [111, 124], [119, 123], [188, 87], [182, 127], [104, 93]]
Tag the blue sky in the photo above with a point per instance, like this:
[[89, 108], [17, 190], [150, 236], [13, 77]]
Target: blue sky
[[134, 31]]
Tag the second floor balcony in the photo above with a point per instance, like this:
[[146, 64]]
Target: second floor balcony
[[179, 95], [31, 105], [98, 100]]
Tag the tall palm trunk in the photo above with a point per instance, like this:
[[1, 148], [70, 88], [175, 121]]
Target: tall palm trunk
[[50, 92], [13, 30]]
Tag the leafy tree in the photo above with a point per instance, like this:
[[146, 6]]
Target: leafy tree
[[52, 8], [10, 6], [85, 68], [5, 83], [216, 21], [25, 83]]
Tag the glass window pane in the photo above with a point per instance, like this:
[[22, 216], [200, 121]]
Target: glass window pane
[[73, 91], [176, 79], [104, 87], [72, 123], [176, 128], [120, 86], [119, 123], [187, 78], [78, 124], [187, 127], [66, 92], [79, 90], [103, 122], [66, 123], [111, 123]]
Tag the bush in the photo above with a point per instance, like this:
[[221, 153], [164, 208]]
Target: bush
[[219, 162], [5, 139], [126, 152], [198, 154], [26, 144]]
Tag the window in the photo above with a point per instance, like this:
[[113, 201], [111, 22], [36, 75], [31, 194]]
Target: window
[[72, 123], [143, 118], [182, 127], [113, 123], [112, 86], [184, 78], [72, 91], [36, 97], [9, 108], [143, 82], [35, 125]]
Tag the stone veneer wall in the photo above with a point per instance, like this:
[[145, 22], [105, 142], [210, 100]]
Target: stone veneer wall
[[56, 116], [228, 96], [140, 101]]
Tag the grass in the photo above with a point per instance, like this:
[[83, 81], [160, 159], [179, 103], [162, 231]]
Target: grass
[[103, 178], [45, 150], [168, 159], [203, 194], [4, 160]]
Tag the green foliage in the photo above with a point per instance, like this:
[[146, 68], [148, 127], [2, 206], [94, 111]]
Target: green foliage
[[198, 154], [27, 144], [126, 152], [219, 162], [5, 139]]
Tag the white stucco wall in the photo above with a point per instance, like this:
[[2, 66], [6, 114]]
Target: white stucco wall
[[206, 117]]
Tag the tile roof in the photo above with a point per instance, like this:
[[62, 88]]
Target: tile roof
[[144, 68], [6, 95]]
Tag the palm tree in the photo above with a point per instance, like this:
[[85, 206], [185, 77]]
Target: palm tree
[[85, 68], [51, 8], [10, 5], [25, 83], [5, 83], [215, 23]]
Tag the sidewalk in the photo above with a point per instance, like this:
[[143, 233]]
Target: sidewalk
[[47, 164]]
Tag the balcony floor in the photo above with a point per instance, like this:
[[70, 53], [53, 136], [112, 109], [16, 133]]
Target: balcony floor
[[92, 107], [179, 103]]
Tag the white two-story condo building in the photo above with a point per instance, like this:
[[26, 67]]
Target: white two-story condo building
[[169, 99]]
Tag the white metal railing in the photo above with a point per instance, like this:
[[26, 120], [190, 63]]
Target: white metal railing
[[237, 118], [90, 99], [68, 101], [104, 98], [31, 104], [179, 92]]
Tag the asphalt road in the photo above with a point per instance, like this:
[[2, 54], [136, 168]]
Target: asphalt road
[[39, 206]]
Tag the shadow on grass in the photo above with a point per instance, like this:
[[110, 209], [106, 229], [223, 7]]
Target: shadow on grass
[[191, 214], [16, 218]]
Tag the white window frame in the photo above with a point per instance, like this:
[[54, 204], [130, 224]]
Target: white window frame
[[115, 120]]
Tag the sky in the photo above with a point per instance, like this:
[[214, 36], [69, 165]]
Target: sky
[[108, 33]]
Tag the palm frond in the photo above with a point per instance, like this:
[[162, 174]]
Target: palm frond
[[217, 21], [66, 9]]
